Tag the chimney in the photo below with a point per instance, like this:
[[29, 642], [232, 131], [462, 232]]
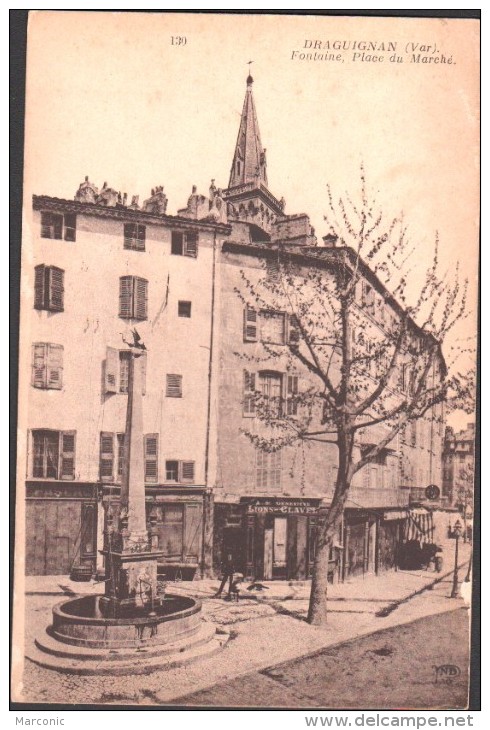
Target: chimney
[[330, 240]]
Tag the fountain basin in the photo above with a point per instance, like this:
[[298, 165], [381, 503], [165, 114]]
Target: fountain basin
[[81, 622]]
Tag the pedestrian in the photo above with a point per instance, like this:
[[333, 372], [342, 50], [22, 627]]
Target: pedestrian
[[228, 569]]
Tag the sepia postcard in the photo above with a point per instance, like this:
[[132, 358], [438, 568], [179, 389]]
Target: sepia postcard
[[247, 437]]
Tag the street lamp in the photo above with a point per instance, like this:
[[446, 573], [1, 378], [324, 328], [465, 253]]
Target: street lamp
[[457, 535]]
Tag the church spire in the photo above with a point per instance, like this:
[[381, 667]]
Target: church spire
[[249, 163]]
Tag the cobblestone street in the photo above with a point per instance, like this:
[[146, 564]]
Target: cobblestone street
[[265, 630]]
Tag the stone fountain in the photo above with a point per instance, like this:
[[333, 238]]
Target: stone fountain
[[133, 627]]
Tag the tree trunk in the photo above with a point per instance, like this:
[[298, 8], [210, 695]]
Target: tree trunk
[[317, 610], [327, 532]]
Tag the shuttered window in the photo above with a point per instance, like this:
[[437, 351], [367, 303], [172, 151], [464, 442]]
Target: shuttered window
[[179, 471], [134, 236], [47, 365], [185, 244], [106, 464], [269, 468], [111, 457], [133, 297], [276, 328], [59, 226], [151, 457], [273, 327], [248, 393], [250, 325], [174, 386], [53, 454], [116, 371], [48, 288], [187, 471]]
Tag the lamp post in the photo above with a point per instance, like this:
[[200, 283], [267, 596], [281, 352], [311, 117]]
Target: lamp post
[[457, 534]]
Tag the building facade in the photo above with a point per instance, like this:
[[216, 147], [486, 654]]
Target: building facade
[[104, 271], [459, 467]]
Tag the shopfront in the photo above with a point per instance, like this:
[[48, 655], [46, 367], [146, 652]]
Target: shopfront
[[272, 538], [178, 522]]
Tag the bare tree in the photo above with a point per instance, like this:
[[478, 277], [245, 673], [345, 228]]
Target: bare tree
[[370, 343]]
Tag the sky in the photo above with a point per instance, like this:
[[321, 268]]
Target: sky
[[118, 97]]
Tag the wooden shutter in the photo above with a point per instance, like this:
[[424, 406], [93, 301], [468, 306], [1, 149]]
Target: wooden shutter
[[143, 373], [174, 386], [261, 470], [57, 225], [294, 330], [291, 395], [248, 393], [129, 234], [68, 454], [106, 455], [70, 227], [191, 245], [140, 237], [249, 325], [151, 457], [39, 364], [126, 297], [56, 289], [111, 370], [39, 277], [141, 298], [275, 468], [187, 471], [46, 225], [55, 366], [192, 532]]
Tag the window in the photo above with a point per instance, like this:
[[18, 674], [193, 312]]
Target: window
[[134, 236], [111, 449], [270, 385], [174, 386], [185, 309], [133, 297], [276, 328], [47, 365], [368, 296], [53, 454], [179, 471], [124, 358], [48, 288], [273, 327], [112, 456], [59, 225], [116, 371], [269, 464], [184, 244], [151, 457], [280, 393]]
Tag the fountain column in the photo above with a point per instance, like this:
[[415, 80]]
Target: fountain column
[[131, 565]]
